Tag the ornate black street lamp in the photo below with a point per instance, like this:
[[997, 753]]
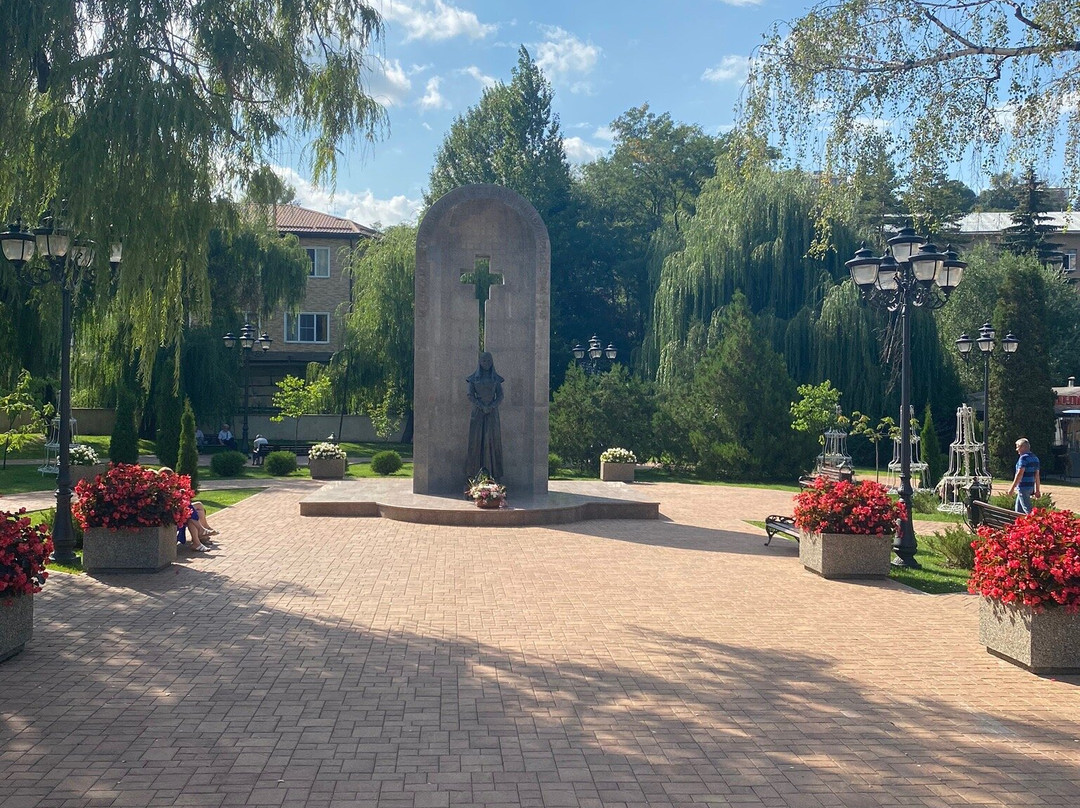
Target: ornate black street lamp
[[911, 273], [986, 347], [248, 339], [595, 353], [61, 259]]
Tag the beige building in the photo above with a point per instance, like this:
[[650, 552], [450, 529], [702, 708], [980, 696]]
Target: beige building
[[989, 226], [313, 331]]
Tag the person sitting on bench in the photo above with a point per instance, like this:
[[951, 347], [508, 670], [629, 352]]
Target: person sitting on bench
[[225, 438]]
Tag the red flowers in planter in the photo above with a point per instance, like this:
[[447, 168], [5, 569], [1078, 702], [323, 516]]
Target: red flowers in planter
[[133, 496], [24, 551], [1034, 561], [863, 508]]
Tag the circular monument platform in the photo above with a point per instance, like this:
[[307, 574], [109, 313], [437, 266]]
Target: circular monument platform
[[566, 501]]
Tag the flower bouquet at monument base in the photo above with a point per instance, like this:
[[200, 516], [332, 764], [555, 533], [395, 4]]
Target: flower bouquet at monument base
[[485, 492]]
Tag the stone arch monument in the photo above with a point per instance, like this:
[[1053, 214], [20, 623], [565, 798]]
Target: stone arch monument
[[483, 278]]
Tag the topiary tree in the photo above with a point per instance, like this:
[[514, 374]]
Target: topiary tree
[[188, 459], [169, 411], [124, 442], [931, 451], [386, 463]]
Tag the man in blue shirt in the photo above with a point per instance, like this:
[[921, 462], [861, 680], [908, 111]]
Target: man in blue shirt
[[1026, 483]]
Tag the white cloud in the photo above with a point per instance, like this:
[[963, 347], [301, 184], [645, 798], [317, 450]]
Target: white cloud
[[434, 20], [480, 76], [605, 133], [562, 55], [389, 85], [578, 151], [362, 207], [731, 68], [433, 99]]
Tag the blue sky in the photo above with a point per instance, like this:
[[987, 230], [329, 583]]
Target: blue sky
[[687, 58]]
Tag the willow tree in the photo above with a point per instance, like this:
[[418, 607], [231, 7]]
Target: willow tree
[[752, 232], [127, 120], [996, 76], [376, 360]]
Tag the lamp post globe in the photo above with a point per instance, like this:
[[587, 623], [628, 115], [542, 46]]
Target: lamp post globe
[[986, 344], [912, 273]]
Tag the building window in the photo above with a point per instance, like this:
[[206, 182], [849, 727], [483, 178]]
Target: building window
[[307, 327], [320, 262], [1070, 260]]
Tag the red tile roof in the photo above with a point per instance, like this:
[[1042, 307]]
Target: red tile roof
[[301, 221]]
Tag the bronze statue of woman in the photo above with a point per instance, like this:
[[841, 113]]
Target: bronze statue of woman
[[485, 434]]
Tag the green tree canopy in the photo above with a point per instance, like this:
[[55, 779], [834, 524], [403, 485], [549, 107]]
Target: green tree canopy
[[998, 77], [128, 120]]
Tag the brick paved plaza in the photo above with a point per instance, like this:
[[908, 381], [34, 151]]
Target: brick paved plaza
[[341, 662]]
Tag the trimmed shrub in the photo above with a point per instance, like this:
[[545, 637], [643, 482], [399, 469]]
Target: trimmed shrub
[[554, 463], [48, 517], [280, 464], [170, 411], [955, 545], [385, 463], [924, 502], [188, 461], [228, 464], [1008, 501]]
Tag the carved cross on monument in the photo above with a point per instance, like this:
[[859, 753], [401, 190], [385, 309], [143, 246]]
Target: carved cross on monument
[[483, 279]]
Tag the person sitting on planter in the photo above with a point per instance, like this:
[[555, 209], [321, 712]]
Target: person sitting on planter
[[196, 525]]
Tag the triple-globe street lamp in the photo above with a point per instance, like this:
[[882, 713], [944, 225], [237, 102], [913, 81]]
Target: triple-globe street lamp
[[594, 353], [62, 259], [248, 339], [985, 342], [912, 273]]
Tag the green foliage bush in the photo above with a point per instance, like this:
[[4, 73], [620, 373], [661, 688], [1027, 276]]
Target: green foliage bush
[[169, 412], [188, 460], [48, 517], [280, 464], [124, 443], [954, 544], [385, 463], [554, 463], [228, 464], [924, 502], [1008, 501]]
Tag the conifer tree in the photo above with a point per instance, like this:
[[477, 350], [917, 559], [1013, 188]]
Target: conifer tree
[[931, 451], [124, 443], [1031, 228], [188, 461]]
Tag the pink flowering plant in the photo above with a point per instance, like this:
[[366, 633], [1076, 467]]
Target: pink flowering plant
[[862, 509], [24, 551], [484, 491], [1035, 561], [129, 496]]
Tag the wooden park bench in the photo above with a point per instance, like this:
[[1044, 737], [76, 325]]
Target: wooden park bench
[[983, 513], [785, 525], [295, 446]]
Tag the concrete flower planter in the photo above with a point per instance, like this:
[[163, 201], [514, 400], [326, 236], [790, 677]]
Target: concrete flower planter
[[16, 624], [87, 472], [138, 549], [1048, 642], [842, 555], [327, 468], [617, 472]]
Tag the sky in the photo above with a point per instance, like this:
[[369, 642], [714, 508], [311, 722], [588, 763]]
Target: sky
[[686, 57]]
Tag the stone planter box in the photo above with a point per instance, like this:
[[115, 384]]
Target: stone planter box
[[617, 472], [842, 555], [139, 549], [327, 468], [87, 472], [16, 624], [1048, 642]]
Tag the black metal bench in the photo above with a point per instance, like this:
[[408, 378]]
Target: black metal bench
[[295, 446], [983, 513], [785, 525]]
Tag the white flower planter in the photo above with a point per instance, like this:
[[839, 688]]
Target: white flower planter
[[87, 472], [617, 472], [327, 468], [16, 624], [136, 549], [843, 555], [1048, 642]]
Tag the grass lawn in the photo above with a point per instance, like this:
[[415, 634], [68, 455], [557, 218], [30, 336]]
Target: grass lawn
[[650, 474], [36, 449], [21, 479], [356, 471]]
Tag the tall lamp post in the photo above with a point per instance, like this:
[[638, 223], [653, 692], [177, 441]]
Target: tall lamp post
[[964, 344], [594, 353], [248, 339], [912, 273], [61, 260]]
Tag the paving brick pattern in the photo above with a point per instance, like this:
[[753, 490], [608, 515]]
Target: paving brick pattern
[[362, 662]]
